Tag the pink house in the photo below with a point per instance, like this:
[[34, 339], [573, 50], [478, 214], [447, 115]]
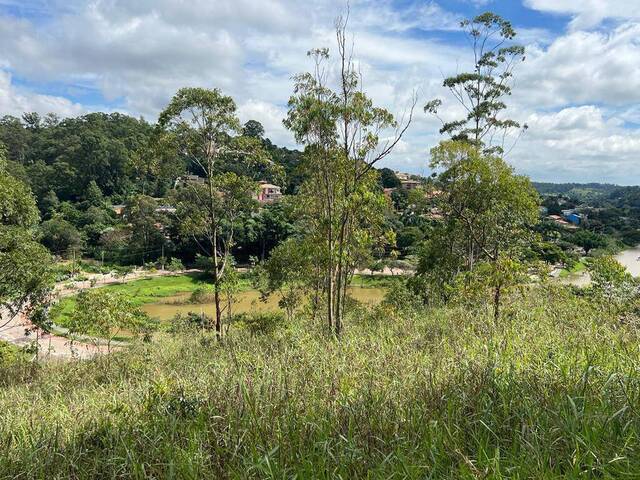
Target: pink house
[[269, 193]]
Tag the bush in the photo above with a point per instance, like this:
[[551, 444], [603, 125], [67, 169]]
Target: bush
[[190, 322], [201, 295], [261, 323], [175, 265]]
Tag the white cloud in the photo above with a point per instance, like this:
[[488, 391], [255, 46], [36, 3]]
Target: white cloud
[[16, 101], [583, 67], [589, 13]]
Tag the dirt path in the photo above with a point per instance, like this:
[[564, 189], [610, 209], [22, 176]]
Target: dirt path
[[54, 346]]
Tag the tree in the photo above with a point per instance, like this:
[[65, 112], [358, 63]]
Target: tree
[[388, 178], [146, 235], [481, 91], [488, 212], [202, 127], [105, 314], [93, 195], [291, 272], [253, 129], [611, 282], [25, 274], [339, 207], [589, 240], [60, 236]]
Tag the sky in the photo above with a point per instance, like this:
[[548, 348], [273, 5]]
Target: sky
[[578, 89]]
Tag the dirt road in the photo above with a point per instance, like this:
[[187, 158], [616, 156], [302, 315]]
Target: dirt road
[[51, 346]]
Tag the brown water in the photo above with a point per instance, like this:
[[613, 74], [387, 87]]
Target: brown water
[[245, 302], [629, 258]]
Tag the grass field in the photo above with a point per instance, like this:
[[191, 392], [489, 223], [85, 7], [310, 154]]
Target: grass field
[[552, 390]]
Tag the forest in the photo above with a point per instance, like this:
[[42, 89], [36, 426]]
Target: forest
[[182, 298]]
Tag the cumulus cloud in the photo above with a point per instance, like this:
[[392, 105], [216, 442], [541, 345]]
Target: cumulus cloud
[[15, 101], [589, 13]]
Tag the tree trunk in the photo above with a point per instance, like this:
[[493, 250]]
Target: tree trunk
[[216, 296], [496, 302]]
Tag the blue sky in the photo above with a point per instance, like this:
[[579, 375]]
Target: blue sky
[[578, 90]]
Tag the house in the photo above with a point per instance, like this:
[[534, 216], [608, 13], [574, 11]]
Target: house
[[118, 209], [269, 193], [185, 180], [410, 184], [402, 176]]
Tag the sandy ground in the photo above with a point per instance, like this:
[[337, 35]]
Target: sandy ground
[[19, 330]]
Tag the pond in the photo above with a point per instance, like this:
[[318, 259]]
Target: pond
[[247, 301], [631, 260]]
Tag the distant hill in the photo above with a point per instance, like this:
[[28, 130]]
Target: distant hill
[[582, 192]]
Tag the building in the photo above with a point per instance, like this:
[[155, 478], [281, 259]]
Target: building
[[410, 184], [118, 209], [572, 217], [269, 193]]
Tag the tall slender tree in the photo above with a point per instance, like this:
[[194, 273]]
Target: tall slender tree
[[482, 91], [341, 130], [201, 126]]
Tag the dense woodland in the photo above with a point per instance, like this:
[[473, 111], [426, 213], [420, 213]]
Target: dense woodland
[[475, 364]]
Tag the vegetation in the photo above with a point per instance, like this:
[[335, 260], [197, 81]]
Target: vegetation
[[474, 365], [549, 391]]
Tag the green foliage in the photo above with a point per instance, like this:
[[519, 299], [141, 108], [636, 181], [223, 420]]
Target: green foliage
[[388, 178], [488, 214], [60, 236], [443, 393], [105, 314], [340, 207], [25, 276], [481, 91], [611, 282], [261, 323], [190, 323], [175, 265], [589, 240]]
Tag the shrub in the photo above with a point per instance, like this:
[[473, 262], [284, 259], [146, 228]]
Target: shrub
[[175, 265], [190, 322], [261, 323]]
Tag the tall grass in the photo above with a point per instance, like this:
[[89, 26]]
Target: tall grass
[[552, 390]]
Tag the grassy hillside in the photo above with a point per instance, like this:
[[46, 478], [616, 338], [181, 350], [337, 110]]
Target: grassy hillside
[[552, 390]]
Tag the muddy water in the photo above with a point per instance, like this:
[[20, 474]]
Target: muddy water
[[629, 258], [245, 302]]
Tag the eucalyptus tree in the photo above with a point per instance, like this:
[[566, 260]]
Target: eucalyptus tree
[[25, 276], [487, 211], [341, 211], [482, 91], [201, 126]]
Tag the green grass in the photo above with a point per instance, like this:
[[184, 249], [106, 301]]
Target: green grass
[[552, 390], [578, 268], [143, 291]]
